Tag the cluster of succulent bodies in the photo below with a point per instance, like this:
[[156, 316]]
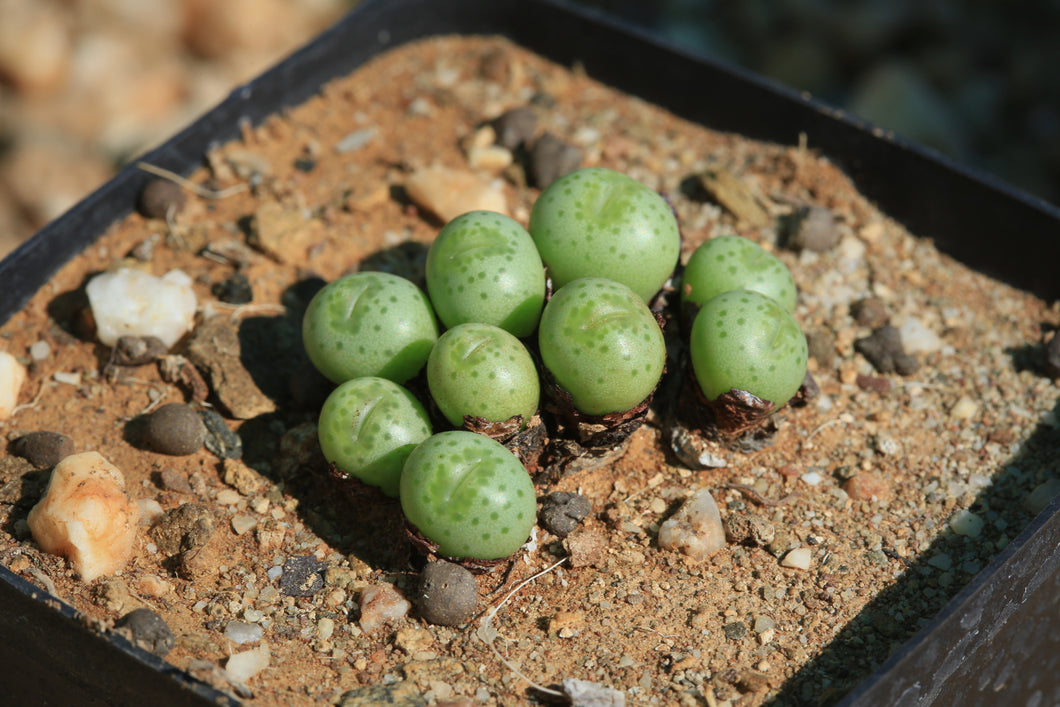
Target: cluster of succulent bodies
[[608, 245]]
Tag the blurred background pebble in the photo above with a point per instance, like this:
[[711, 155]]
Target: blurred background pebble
[[977, 80], [86, 85]]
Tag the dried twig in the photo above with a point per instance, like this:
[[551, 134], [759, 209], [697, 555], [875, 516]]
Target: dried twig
[[192, 186], [752, 493], [31, 403], [487, 633]]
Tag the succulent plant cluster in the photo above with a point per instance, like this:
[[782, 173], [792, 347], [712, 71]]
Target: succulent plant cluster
[[608, 244]]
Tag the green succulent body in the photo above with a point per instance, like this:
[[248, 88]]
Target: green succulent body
[[595, 222], [369, 324], [602, 345], [745, 340], [468, 494], [483, 267], [368, 427], [735, 263], [482, 370]]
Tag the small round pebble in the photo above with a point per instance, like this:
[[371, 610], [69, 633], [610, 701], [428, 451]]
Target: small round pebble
[[43, 449], [800, 558], [561, 511], [551, 158], [447, 594], [867, 486], [40, 350], [176, 429], [147, 630], [515, 127], [159, 196]]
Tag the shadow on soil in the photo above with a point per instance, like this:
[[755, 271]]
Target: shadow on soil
[[282, 446], [1011, 500]]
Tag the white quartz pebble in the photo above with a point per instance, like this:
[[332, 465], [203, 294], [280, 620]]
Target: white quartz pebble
[[695, 529], [241, 667], [128, 302], [243, 632], [12, 376], [86, 516], [799, 558]]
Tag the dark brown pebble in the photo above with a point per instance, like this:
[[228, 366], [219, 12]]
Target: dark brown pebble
[[873, 384], [159, 196], [43, 449], [447, 594], [146, 630], [883, 349], [176, 429], [562, 511], [869, 312], [551, 158], [515, 127]]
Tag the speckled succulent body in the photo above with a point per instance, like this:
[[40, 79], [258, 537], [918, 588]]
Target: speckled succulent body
[[745, 340], [736, 263], [369, 324], [595, 222], [468, 494], [483, 267], [482, 370], [602, 345], [368, 427]]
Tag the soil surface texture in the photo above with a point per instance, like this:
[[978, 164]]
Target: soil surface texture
[[873, 503]]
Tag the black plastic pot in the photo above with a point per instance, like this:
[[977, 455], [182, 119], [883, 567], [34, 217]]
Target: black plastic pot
[[997, 641]]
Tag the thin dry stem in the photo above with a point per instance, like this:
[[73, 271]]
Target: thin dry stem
[[191, 186], [488, 640]]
